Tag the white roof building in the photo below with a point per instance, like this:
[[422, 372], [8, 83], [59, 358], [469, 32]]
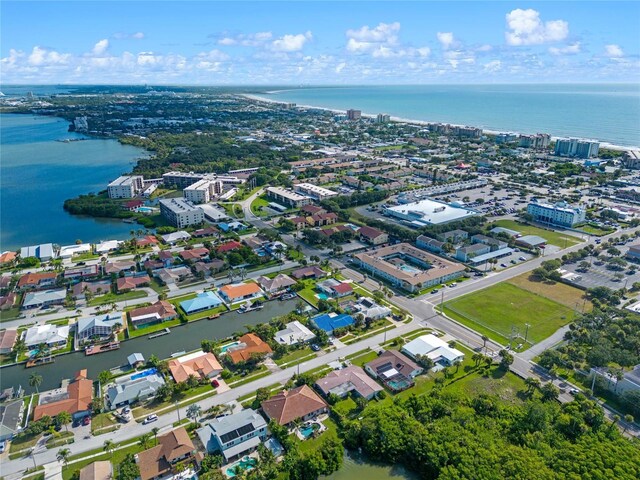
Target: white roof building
[[71, 250], [49, 334], [295, 332], [429, 212], [42, 298], [434, 348], [44, 251], [175, 236], [104, 247]]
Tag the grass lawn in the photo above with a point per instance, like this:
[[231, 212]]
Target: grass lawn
[[149, 329], [495, 310], [366, 357], [554, 238], [309, 292], [597, 231], [187, 398], [237, 377], [344, 407], [113, 297], [116, 458], [157, 287], [558, 292], [258, 204], [102, 420], [207, 313], [314, 443], [22, 442], [295, 355], [250, 378]]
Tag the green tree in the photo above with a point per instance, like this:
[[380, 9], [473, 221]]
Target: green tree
[[35, 380], [108, 446], [63, 455], [63, 418]]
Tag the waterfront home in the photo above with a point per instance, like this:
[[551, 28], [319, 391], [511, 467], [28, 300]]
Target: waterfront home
[[87, 271], [229, 246], [276, 284], [335, 288], [43, 252], [370, 309], [194, 254], [8, 339], [161, 311], [139, 387], [98, 327], [8, 301], [248, 345], [395, 370], [373, 236], [96, 288], [37, 280], [172, 448], [69, 251], [311, 271], [75, 399], [351, 379], [7, 258], [100, 470], [44, 298], [170, 276], [108, 246], [434, 348], [330, 321], [135, 360], [289, 405], [233, 435], [294, 333], [202, 301], [199, 364], [117, 266], [11, 416], [175, 237], [125, 284], [240, 291], [147, 240], [52, 335]]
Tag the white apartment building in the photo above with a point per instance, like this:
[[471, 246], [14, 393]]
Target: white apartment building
[[184, 179], [288, 197], [202, 191], [126, 186], [314, 191], [181, 213], [572, 147], [560, 214]]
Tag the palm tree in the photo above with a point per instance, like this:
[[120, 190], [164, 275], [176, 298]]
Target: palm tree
[[35, 380], [63, 418], [109, 447], [63, 455], [629, 419], [144, 440], [155, 431], [477, 358], [485, 339], [531, 383], [194, 411]]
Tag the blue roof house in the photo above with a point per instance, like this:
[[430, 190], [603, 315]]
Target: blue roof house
[[203, 301], [330, 321]]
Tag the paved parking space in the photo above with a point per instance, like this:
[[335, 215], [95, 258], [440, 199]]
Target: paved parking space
[[598, 275]]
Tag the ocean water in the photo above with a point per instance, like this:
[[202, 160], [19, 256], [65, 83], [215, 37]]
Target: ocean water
[[38, 173], [609, 113]]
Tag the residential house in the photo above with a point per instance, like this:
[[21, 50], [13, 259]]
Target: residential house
[[52, 335], [323, 219], [44, 298], [234, 435], [175, 237], [201, 302], [161, 460], [37, 280], [75, 399], [68, 251], [194, 254], [312, 210], [351, 379], [167, 258], [161, 311], [300, 403], [234, 293], [248, 345], [153, 265], [125, 284], [96, 288], [294, 333], [276, 284], [8, 339], [43, 252], [255, 243], [434, 348], [335, 288], [232, 226], [394, 369], [98, 327], [126, 266], [300, 222], [370, 309], [100, 470], [429, 244], [87, 271], [146, 241], [108, 246], [170, 276], [199, 364], [229, 246], [8, 258], [311, 271], [11, 416], [372, 235], [8, 301], [205, 232], [138, 387]]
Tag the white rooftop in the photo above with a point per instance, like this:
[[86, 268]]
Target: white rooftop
[[430, 212], [47, 333], [108, 245], [432, 347], [294, 332]]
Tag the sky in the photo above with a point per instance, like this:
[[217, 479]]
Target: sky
[[318, 43]]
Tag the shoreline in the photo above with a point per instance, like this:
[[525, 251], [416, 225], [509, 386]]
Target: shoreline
[[258, 98]]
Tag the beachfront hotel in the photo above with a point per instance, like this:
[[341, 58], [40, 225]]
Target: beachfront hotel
[[180, 212], [126, 186], [408, 267]]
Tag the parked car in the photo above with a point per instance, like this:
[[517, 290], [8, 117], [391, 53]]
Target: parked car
[[151, 418], [86, 421], [574, 391], [315, 348], [3, 445], [503, 265], [215, 383], [522, 259], [435, 290]]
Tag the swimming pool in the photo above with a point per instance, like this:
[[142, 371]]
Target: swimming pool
[[146, 209], [247, 463], [398, 385], [408, 268], [307, 430], [143, 374], [322, 296], [228, 346]]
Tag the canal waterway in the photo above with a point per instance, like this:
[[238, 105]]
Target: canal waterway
[[182, 338], [358, 466]]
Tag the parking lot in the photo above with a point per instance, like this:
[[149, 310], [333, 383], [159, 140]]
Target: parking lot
[[598, 275], [497, 202]]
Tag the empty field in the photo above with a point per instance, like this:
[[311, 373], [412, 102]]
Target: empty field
[[559, 239], [497, 310], [558, 292]]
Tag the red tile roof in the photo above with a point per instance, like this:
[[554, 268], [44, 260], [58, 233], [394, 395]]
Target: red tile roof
[[127, 283], [254, 344], [155, 461], [7, 257], [32, 279], [370, 232], [286, 406], [201, 367], [343, 288], [227, 247], [194, 253], [79, 396], [240, 290]]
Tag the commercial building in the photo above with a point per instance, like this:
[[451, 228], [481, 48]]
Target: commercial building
[[434, 348], [314, 191], [138, 387], [559, 214], [408, 267], [442, 189], [288, 197], [351, 379], [181, 213], [234, 435], [300, 403], [572, 147], [428, 212], [75, 399], [203, 191], [631, 159], [126, 186], [354, 114]]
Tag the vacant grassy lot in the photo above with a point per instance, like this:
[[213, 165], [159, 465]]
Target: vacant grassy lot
[[495, 310], [116, 297], [558, 292], [554, 238], [258, 205]]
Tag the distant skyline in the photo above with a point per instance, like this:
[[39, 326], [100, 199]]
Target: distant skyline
[[318, 43]]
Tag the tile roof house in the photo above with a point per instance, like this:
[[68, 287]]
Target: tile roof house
[[7, 340], [172, 448], [44, 298], [199, 364], [394, 369], [229, 246], [76, 400], [194, 254], [335, 288], [100, 470], [125, 284], [205, 232], [37, 280], [289, 405], [234, 435], [240, 291], [8, 301], [350, 379], [373, 235], [7, 257], [312, 210], [172, 275], [11, 415], [96, 288], [248, 344], [147, 240], [161, 311], [311, 271], [276, 284], [127, 266], [140, 386]]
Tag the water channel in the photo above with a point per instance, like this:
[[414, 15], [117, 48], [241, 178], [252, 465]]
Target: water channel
[[182, 338], [358, 466]]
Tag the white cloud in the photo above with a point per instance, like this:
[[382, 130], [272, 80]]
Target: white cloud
[[42, 57], [381, 42], [125, 36], [340, 67], [214, 55], [291, 43], [568, 50], [246, 40], [613, 51], [100, 47], [138, 36], [445, 39], [492, 66], [526, 28], [484, 48]]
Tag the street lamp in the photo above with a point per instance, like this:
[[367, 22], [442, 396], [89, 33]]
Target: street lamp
[[178, 410]]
